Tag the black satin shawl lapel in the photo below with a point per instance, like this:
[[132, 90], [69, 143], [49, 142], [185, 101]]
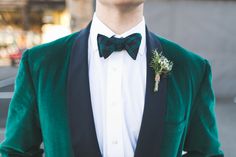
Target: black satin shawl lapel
[[152, 126], [81, 121]]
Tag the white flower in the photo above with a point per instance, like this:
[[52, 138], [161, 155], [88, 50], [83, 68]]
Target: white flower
[[161, 65]]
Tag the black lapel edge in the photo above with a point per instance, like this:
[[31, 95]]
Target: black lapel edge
[[79, 58], [152, 125]]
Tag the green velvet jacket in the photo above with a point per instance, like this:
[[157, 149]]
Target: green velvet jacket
[[52, 104]]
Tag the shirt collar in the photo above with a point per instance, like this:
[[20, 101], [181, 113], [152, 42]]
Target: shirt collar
[[98, 27]]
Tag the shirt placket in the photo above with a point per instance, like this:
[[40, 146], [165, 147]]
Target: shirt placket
[[114, 114]]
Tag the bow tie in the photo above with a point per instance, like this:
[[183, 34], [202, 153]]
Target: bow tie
[[107, 46]]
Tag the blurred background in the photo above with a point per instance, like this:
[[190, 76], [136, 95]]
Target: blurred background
[[204, 27]]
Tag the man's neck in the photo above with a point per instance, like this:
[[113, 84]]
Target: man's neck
[[120, 20]]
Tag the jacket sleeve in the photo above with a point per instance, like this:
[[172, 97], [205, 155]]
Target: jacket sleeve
[[23, 135], [202, 135]]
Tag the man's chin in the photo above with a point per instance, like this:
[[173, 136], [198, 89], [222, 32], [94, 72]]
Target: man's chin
[[123, 3], [127, 5]]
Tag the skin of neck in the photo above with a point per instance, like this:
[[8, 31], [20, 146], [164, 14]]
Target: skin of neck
[[119, 18]]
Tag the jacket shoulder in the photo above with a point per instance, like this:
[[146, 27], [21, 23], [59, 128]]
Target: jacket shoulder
[[184, 60], [52, 51], [189, 67], [178, 52]]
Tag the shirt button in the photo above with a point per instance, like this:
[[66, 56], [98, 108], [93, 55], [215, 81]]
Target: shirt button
[[114, 142], [114, 69], [113, 104]]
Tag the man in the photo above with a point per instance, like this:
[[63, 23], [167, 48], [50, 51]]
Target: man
[[91, 94]]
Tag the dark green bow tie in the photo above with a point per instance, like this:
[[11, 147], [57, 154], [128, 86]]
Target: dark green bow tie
[[107, 46]]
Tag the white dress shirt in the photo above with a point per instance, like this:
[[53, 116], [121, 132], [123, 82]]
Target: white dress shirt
[[117, 86]]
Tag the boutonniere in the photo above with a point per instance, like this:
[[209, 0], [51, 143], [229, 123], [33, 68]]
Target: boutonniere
[[161, 66]]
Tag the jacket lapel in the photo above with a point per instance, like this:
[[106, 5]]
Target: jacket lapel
[[151, 131], [82, 127]]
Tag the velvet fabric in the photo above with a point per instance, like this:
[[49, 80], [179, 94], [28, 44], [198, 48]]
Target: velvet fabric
[[52, 104]]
